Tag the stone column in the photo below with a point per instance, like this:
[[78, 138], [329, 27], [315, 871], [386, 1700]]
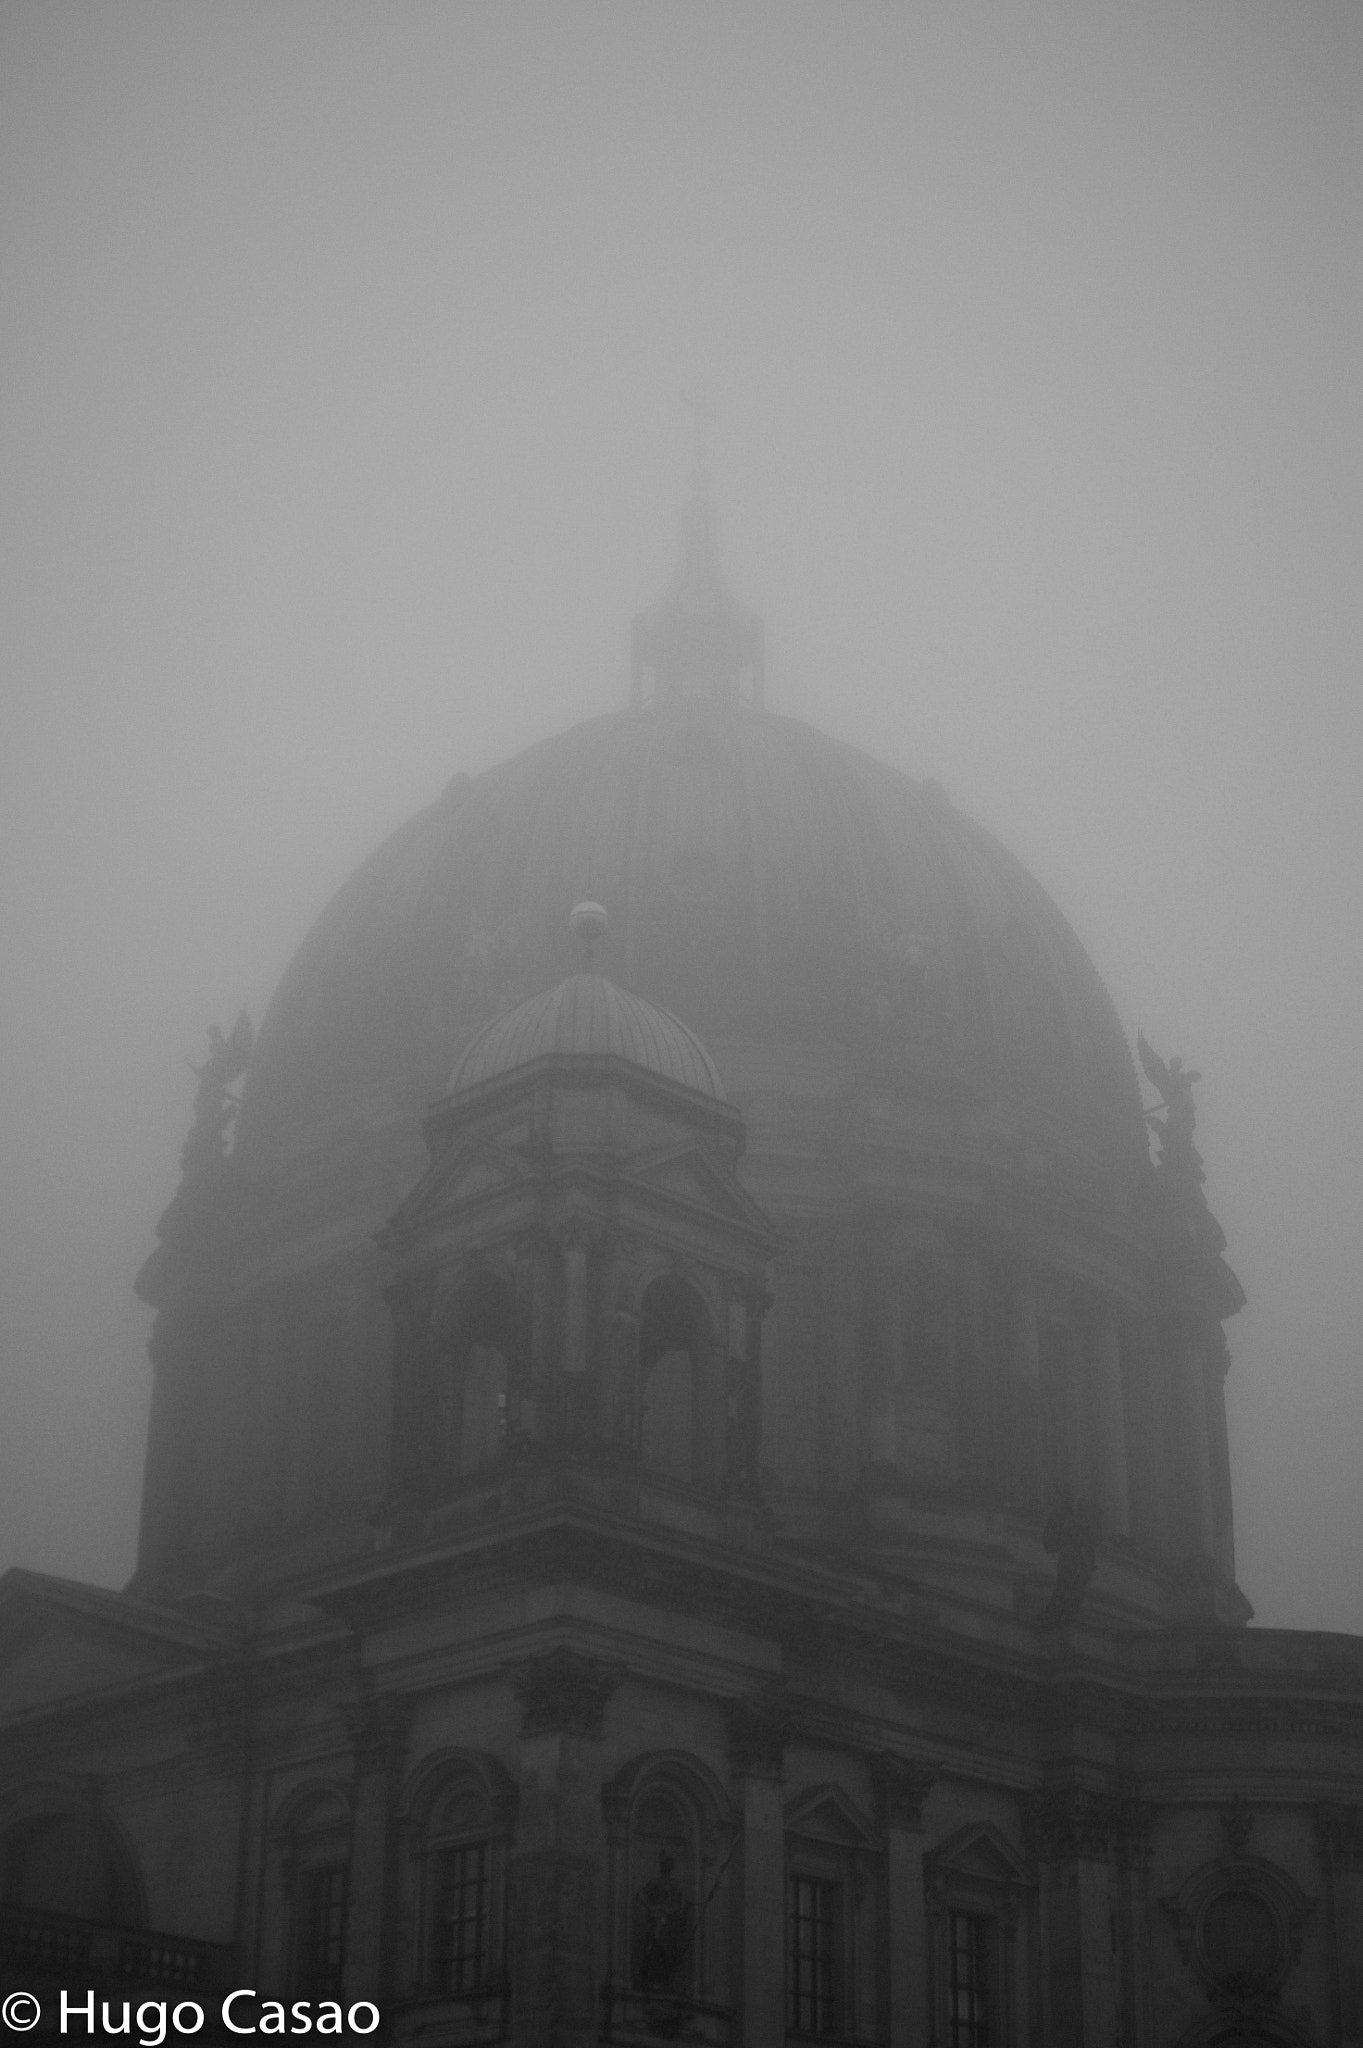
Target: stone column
[[1109, 1415], [413, 1437], [903, 1784], [1190, 1381], [556, 1943], [1223, 1517], [1072, 1831], [877, 1332], [1135, 1820], [1341, 1839], [759, 1730], [574, 1250], [378, 1730], [1024, 1456]]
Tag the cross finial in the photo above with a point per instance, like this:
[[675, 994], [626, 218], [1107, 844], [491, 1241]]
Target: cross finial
[[703, 414]]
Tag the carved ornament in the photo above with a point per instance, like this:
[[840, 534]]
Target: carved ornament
[[563, 1693], [1070, 1820]]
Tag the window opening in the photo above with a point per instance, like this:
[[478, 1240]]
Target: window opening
[[320, 1951], [814, 1997], [968, 1983], [461, 1917]]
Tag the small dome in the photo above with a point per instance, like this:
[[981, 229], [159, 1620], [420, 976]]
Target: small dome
[[586, 1015]]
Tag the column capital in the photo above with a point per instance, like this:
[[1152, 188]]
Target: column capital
[[902, 1785], [758, 1728], [563, 1692], [1340, 1829]]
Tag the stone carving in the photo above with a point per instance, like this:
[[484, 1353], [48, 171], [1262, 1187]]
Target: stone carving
[[662, 1919], [902, 1784], [1175, 1087], [1071, 1533], [1070, 1820], [563, 1693], [758, 1729], [904, 993], [1238, 1926], [214, 1108], [1237, 1824]]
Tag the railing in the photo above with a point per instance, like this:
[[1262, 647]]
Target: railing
[[651, 2016], [454, 2019], [59, 1946]]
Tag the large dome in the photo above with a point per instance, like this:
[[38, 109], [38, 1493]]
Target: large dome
[[768, 884]]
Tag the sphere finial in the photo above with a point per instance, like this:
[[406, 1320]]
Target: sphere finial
[[588, 921]]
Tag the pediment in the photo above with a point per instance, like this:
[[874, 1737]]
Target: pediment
[[60, 1641], [827, 1814], [689, 1176], [477, 1174], [981, 1851]]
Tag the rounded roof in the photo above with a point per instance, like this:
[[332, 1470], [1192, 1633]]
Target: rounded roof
[[588, 1016], [771, 885]]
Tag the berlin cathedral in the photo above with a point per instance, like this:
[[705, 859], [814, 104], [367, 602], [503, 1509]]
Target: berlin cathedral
[[687, 1497]]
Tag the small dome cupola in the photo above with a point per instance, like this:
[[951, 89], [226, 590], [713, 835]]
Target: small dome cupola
[[588, 1017]]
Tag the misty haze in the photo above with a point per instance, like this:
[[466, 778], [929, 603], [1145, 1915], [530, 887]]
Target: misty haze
[[681, 907]]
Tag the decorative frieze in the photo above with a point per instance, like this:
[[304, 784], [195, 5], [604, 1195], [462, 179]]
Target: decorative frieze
[[1071, 1820]]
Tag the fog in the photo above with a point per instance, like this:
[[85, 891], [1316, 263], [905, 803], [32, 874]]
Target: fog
[[341, 352]]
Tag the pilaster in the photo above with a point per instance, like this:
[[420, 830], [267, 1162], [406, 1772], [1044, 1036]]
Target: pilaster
[[1340, 1832], [1072, 1831], [378, 1728], [758, 1731], [902, 1785], [556, 1936]]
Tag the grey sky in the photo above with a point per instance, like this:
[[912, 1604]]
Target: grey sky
[[339, 359]]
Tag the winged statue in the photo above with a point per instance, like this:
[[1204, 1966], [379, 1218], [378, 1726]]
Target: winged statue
[[214, 1108], [1175, 1085]]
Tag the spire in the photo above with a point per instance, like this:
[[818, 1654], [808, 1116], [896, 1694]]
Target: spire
[[697, 641]]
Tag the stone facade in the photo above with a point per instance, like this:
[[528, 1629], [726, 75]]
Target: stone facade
[[731, 1551]]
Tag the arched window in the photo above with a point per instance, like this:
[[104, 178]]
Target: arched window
[[458, 1914], [672, 1838], [72, 1863], [479, 1325], [311, 1838], [663, 1898], [460, 1818], [676, 1366]]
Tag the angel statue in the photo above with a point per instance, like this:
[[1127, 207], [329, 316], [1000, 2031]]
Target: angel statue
[[214, 1108], [1176, 1101]]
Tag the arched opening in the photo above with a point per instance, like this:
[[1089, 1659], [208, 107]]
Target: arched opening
[[662, 1895], [676, 1349], [460, 1820], [478, 1387], [312, 1844], [69, 1863]]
